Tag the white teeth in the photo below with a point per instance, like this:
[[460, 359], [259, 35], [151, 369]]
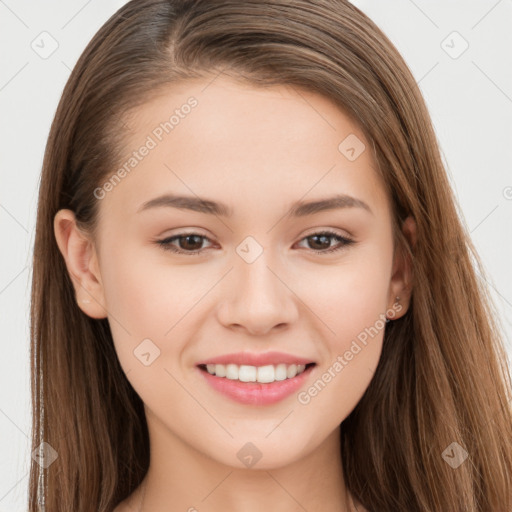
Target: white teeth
[[220, 370], [247, 373], [291, 371], [262, 374], [232, 371], [265, 374], [280, 372]]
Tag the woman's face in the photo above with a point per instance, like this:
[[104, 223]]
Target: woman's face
[[263, 281]]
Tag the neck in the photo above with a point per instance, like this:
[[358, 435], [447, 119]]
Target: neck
[[183, 478]]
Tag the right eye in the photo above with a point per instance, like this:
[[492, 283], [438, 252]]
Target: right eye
[[191, 239]]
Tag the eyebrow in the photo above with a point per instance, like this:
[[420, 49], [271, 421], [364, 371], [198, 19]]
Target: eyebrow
[[208, 206]]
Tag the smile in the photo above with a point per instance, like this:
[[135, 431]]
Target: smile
[[262, 374], [256, 385]]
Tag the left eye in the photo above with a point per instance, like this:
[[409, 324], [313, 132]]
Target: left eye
[[193, 240]]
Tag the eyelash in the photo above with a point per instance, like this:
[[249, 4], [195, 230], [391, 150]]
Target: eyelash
[[166, 243]]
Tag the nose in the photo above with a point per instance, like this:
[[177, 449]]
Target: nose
[[257, 297]]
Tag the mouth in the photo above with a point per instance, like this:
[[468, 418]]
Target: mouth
[[256, 385], [261, 374]]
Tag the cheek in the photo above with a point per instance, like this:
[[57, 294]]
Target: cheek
[[147, 299], [351, 295], [351, 301], [351, 357], [143, 293]]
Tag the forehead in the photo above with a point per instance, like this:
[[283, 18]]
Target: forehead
[[243, 145]]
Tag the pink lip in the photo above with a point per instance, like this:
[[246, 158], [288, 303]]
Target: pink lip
[[252, 359], [256, 393]]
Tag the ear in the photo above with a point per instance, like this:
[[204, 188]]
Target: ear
[[401, 279], [81, 261]]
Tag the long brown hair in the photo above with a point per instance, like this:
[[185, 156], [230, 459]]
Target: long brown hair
[[442, 377]]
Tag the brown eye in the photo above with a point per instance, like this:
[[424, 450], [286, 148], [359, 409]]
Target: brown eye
[[191, 243], [321, 242], [188, 243]]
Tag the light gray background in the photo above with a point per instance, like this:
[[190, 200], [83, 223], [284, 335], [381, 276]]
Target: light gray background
[[469, 97]]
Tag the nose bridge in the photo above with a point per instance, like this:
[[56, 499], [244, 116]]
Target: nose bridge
[[256, 282], [259, 300]]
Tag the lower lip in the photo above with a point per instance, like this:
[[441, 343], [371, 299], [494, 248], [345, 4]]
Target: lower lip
[[256, 393]]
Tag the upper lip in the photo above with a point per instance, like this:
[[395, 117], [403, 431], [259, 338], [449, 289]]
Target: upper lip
[[255, 359]]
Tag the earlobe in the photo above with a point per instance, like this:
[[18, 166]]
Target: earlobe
[[80, 258]]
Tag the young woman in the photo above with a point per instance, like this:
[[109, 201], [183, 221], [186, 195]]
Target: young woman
[[251, 286]]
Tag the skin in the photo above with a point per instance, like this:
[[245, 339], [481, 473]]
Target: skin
[[258, 151]]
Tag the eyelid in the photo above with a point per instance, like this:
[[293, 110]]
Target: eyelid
[[190, 230], [343, 242], [313, 231], [333, 231]]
